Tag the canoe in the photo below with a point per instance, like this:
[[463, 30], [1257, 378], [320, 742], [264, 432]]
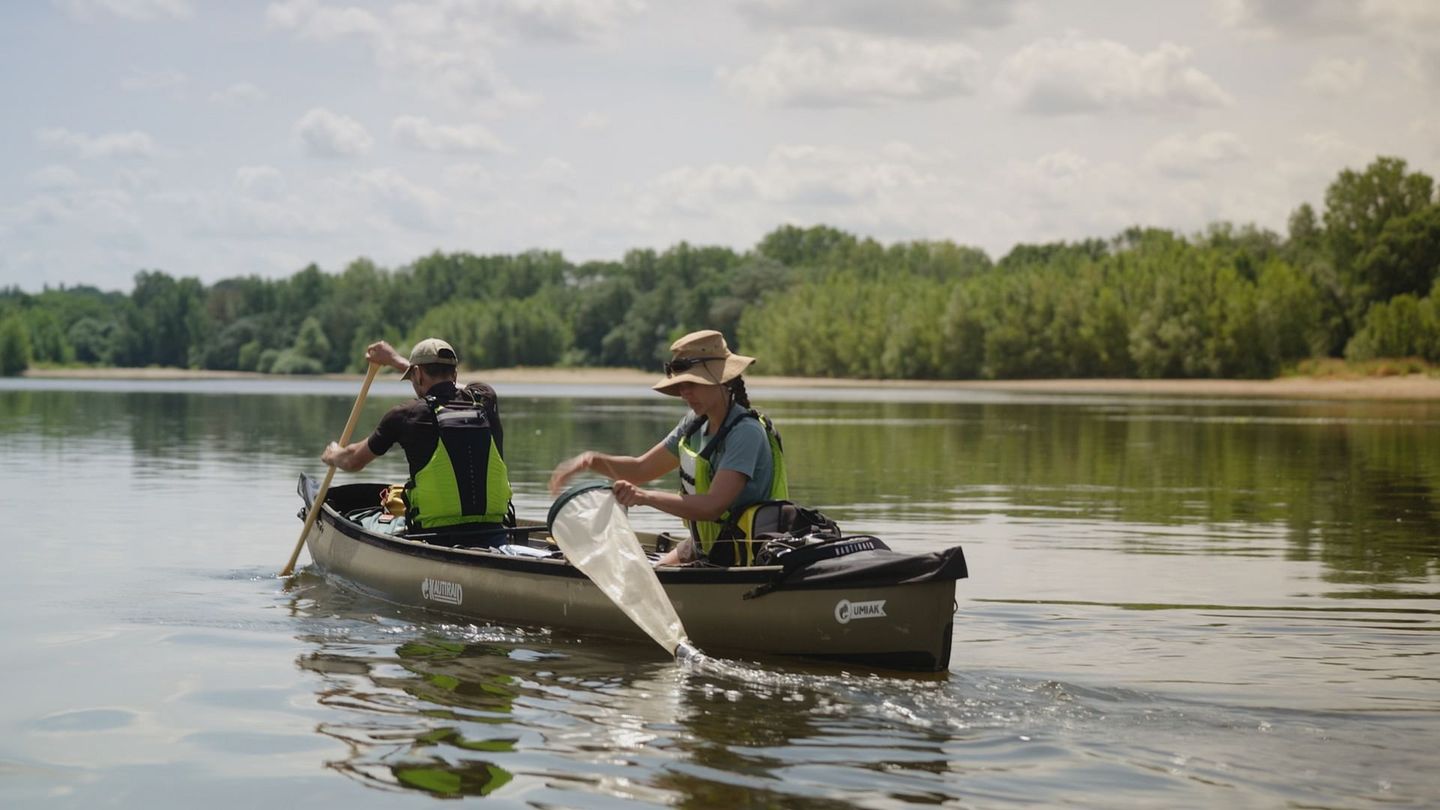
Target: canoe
[[878, 608]]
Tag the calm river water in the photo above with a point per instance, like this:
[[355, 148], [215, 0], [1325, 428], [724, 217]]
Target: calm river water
[[1172, 604]]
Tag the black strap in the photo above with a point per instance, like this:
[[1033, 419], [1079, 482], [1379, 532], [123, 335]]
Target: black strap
[[812, 553], [713, 446]]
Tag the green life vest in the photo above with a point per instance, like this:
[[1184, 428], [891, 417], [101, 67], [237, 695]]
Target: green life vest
[[696, 473], [465, 480]]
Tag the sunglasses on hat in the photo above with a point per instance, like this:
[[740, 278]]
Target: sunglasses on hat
[[685, 364]]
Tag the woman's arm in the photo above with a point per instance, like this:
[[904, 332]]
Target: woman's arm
[[716, 501], [656, 462]]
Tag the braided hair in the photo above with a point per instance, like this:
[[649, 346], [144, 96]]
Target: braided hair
[[737, 392]]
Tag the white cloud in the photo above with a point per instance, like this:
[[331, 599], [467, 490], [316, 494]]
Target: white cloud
[[702, 189], [265, 182], [1074, 75], [444, 50], [888, 191], [1335, 76], [145, 81], [261, 219], [1333, 17], [594, 122], [53, 178], [399, 201], [139, 10], [802, 175], [313, 20], [1306, 17], [327, 134], [132, 144], [1051, 180], [555, 174], [563, 20], [1427, 131], [1412, 27], [834, 69], [1332, 152], [422, 133], [1181, 155], [240, 93], [108, 212], [914, 18], [469, 177]]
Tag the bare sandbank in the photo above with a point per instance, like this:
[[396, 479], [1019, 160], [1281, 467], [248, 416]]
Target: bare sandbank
[[1393, 387]]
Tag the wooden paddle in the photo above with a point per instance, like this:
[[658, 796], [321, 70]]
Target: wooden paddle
[[319, 500]]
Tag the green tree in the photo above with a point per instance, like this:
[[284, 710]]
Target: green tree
[[1404, 257], [14, 346], [1404, 326], [795, 246], [1358, 208], [48, 343], [166, 322], [92, 340]]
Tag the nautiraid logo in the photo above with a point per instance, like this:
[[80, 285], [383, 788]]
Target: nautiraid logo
[[846, 611], [438, 590]]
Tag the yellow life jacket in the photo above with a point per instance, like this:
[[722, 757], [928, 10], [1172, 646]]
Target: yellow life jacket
[[465, 480], [696, 474]]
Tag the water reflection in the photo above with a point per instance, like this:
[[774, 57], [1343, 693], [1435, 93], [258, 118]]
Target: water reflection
[[391, 749], [1174, 603], [1355, 488], [456, 710]]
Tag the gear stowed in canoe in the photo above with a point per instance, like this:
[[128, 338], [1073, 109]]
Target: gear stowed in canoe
[[870, 606]]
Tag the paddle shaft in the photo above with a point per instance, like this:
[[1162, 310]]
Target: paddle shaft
[[319, 500]]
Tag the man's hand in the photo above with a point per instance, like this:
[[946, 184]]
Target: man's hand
[[384, 354]]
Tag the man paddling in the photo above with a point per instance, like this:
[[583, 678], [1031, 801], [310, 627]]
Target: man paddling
[[452, 439]]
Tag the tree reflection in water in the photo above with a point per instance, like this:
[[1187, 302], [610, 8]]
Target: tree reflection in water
[[393, 699]]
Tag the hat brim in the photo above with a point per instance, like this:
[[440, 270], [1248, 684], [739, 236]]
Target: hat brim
[[415, 368], [710, 372]]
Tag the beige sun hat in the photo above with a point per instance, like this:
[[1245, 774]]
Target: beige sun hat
[[430, 350], [701, 357]]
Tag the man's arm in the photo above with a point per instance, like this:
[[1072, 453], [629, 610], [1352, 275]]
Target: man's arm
[[351, 458]]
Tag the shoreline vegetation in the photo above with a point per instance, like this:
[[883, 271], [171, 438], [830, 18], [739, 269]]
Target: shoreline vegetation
[[1353, 289], [1331, 386]]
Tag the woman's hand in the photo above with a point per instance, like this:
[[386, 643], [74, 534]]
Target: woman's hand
[[627, 494], [568, 469]]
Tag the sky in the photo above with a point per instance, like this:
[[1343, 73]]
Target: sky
[[222, 138]]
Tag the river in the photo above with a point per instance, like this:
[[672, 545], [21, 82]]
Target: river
[[1172, 603]]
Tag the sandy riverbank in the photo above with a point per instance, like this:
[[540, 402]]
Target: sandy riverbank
[[1398, 387]]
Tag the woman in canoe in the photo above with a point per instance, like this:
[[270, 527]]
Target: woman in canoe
[[728, 454]]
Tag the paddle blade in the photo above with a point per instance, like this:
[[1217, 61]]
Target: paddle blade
[[594, 532]]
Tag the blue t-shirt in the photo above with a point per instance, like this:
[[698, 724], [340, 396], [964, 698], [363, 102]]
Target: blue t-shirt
[[746, 450]]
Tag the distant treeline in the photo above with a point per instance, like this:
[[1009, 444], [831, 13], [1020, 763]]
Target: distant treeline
[[1357, 280]]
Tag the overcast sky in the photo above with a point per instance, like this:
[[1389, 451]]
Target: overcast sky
[[215, 139]]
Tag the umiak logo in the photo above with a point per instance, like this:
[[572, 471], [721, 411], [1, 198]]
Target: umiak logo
[[438, 590], [846, 611]]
